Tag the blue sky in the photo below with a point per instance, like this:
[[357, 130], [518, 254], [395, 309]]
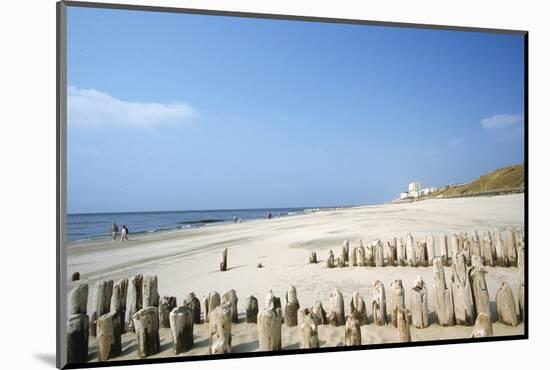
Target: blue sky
[[178, 112]]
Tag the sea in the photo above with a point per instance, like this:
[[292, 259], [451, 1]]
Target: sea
[[90, 226]]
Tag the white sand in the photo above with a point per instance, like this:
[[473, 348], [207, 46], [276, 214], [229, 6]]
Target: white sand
[[188, 260]]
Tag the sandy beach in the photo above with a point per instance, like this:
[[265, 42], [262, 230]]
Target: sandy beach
[[188, 261]]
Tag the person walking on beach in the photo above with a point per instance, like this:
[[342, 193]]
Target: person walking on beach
[[124, 233], [114, 231]]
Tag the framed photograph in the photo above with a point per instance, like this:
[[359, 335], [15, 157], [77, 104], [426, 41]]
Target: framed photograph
[[235, 185]]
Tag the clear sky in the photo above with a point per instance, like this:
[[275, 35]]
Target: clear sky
[[184, 112]]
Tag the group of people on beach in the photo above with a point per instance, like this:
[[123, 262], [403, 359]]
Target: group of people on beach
[[123, 234]]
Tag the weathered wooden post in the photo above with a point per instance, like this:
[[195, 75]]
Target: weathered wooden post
[[393, 251], [397, 299], [166, 305], [352, 334], [135, 299], [443, 250], [223, 263], [483, 326], [118, 302], [506, 306], [502, 258], [379, 303], [181, 326], [330, 259], [410, 251], [479, 286], [454, 246], [421, 253], [419, 304], [345, 251], [251, 309], [403, 326], [219, 338], [378, 253], [319, 312], [150, 291], [77, 338], [430, 249], [270, 322], [102, 302], [194, 305], [336, 314], [78, 300], [353, 256], [340, 262], [358, 308], [511, 247], [229, 298], [211, 301], [401, 253], [313, 257], [361, 260], [521, 278], [444, 307], [146, 324], [488, 251], [109, 341], [467, 250], [272, 301], [291, 306], [462, 291], [308, 329]]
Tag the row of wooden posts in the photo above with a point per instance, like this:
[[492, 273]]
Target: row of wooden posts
[[490, 248], [466, 302]]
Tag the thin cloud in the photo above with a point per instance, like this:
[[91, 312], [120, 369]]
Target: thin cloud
[[454, 142], [89, 107], [500, 121]]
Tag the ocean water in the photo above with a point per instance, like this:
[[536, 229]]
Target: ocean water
[[88, 226]]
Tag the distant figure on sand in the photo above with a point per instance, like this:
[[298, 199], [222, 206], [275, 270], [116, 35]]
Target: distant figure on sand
[[235, 219], [124, 233], [269, 216], [114, 230]]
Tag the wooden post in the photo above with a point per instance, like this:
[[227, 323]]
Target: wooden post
[[476, 247], [102, 302], [444, 307], [223, 263], [291, 306], [358, 308], [229, 298], [319, 312], [118, 302], [135, 298], [340, 262], [181, 325], [401, 253], [336, 314], [307, 323], [353, 256], [488, 251], [146, 324], [483, 326], [269, 329], [150, 292], [330, 259], [502, 257], [479, 286], [345, 251], [272, 301], [194, 305], [379, 303], [166, 305], [410, 251], [506, 306], [419, 304], [361, 260], [378, 253], [369, 255], [397, 299], [352, 334], [251, 309], [403, 326], [313, 257], [77, 338], [430, 249], [521, 278], [78, 299], [443, 250], [392, 255], [211, 301], [511, 247], [466, 250], [109, 341], [421, 253], [219, 339], [462, 291]]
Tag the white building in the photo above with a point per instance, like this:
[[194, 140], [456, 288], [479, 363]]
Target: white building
[[415, 191]]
